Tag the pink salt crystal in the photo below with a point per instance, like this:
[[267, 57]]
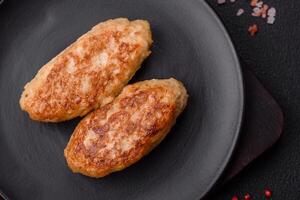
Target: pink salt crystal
[[240, 12], [232, 1], [259, 4], [253, 29], [256, 12], [264, 10], [253, 3], [221, 1], [271, 20], [272, 12]]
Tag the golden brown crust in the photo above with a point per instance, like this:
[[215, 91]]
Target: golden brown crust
[[89, 73], [122, 132]]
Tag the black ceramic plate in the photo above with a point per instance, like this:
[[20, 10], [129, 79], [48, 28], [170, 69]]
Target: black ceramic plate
[[190, 44]]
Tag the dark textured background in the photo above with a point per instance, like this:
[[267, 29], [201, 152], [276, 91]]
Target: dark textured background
[[274, 56]]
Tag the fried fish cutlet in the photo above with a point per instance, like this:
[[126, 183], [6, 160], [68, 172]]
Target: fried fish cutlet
[[121, 133], [89, 73]]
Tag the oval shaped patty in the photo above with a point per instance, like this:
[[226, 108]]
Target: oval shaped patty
[[89, 73], [119, 134]]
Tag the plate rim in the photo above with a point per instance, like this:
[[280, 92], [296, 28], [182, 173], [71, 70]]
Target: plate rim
[[239, 123]]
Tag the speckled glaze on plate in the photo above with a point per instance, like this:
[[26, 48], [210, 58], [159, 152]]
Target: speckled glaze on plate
[[190, 44]]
